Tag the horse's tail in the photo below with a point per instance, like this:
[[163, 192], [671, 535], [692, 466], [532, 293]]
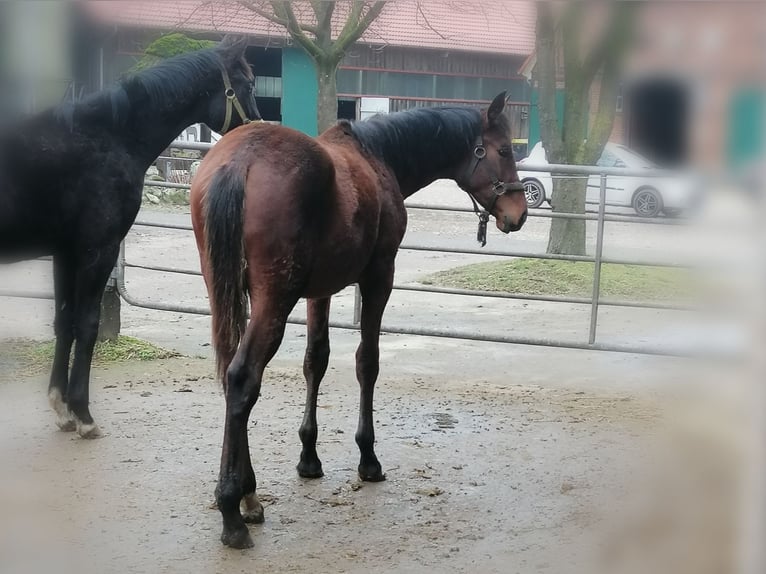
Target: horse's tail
[[227, 277]]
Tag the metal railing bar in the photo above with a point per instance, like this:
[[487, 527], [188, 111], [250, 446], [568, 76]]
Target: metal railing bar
[[475, 292], [162, 269], [181, 226], [526, 255], [155, 183], [439, 333], [597, 263], [548, 213], [545, 298], [26, 294]]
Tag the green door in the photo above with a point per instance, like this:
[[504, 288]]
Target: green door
[[746, 126]]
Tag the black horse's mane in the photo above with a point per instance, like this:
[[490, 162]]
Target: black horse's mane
[[166, 82], [408, 141]]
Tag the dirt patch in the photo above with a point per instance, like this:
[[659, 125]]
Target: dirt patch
[[479, 475], [482, 477]]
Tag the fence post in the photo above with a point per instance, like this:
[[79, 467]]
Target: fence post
[[597, 263], [109, 323], [357, 305]]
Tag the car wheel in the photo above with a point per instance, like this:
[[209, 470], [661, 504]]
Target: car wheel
[[534, 192], [647, 202]]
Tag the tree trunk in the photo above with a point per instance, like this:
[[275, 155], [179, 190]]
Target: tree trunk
[[327, 100], [567, 236]]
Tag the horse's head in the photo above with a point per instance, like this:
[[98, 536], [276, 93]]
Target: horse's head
[[236, 105], [490, 177]]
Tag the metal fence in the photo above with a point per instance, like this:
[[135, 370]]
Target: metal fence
[[595, 300]]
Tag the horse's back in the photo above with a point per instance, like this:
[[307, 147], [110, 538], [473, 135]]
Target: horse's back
[[60, 184], [313, 207]]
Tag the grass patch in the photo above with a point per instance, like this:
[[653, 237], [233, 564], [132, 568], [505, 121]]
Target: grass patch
[[572, 278], [36, 356]]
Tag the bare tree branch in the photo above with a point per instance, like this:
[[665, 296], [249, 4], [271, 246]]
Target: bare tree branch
[[283, 10], [618, 31], [271, 15], [323, 12], [352, 32], [545, 76], [428, 24]]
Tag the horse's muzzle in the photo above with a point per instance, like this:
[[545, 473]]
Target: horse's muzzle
[[509, 226]]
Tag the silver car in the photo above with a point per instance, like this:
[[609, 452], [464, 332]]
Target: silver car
[[648, 196]]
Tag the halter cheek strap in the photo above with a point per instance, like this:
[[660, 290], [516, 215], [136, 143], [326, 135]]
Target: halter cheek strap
[[232, 101], [498, 189]]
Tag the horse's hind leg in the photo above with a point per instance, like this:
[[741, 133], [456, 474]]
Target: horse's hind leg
[[375, 287], [252, 509], [236, 483], [314, 368], [63, 325]]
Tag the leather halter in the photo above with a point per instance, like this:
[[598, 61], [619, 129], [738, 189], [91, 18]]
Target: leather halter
[[231, 102], [499, 188]]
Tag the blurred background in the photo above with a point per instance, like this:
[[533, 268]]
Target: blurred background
[[661, 85]]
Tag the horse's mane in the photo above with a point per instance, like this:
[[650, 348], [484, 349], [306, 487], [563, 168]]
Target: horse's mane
[[410, 140], [167, 81]]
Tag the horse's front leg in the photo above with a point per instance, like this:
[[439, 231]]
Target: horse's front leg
[[93, 269], [63, 325], [375, 287]]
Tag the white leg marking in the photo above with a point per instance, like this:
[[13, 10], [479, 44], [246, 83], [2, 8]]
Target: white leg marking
[[253, 509], [64, 418], [88, 431]]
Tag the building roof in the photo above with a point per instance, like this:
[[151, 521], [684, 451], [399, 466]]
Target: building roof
[[490, 26]]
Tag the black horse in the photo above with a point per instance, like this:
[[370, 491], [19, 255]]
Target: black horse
[[71, 181]]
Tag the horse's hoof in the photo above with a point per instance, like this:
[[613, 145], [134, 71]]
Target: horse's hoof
[[66, 424], [64, 417], [254, 516], [310, 469], [88, 431], [239, 538], [371, 473]]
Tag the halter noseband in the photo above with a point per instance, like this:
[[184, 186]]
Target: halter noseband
[[231, 102], [499, 188]]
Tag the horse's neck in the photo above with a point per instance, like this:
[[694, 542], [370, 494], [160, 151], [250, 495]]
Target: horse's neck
[[409, 186], [153, 129]]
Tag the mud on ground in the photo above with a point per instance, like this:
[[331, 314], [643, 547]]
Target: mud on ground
[[481, 477]]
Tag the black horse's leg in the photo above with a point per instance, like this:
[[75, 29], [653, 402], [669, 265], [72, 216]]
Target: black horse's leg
[[243, 386], [375, 286], [314, 368], [93, 269], [63, 325]]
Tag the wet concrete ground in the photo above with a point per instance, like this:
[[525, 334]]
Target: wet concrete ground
[[482, 477]]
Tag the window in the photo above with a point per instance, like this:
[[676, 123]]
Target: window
[[608, 159]]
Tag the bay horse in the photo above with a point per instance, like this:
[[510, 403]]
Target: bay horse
[[278, 216], [71, 181]]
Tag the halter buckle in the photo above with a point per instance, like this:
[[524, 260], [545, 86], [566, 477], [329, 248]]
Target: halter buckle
[[480, 152], [498, 187]]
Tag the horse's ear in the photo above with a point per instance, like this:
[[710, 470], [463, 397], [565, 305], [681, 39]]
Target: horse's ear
[[496, 108], [233, 47]]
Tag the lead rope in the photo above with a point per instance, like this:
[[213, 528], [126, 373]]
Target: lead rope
[[479, 153], [483, 215]]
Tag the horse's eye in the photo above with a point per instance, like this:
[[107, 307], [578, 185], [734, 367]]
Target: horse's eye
[[505, 151]]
